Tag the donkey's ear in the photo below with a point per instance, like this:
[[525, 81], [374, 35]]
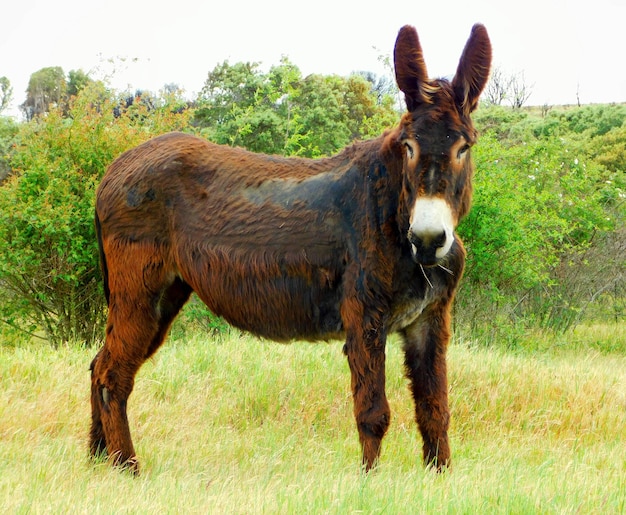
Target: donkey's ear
[[473, 70], [411, 74]]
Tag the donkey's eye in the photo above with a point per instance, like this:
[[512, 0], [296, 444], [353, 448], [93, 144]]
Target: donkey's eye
[[462, 151]]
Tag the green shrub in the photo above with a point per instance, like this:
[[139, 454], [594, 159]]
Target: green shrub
[[539, 207], [49, 270]]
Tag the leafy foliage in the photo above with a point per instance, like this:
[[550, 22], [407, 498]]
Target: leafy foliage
[[46, 87], [49, 88], [77, 80], [49, 270], [8, 133], [280, 112], [543, 234], [6, 93]]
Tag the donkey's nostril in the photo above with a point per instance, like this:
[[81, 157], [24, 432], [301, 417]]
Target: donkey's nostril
[[428, 240], [414, 239], [439, 240]]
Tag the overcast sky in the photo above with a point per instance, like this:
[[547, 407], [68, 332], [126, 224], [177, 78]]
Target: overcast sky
[[564, 48]]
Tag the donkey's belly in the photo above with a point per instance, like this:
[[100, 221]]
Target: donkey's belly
[[279, 307]]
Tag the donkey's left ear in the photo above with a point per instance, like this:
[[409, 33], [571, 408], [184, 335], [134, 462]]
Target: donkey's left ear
[[472, 73]]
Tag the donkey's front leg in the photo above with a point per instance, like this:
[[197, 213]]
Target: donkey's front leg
[[365, 350], [425, 345]]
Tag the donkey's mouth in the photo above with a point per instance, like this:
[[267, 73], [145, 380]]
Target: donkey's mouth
[[426, 257], [425, 264]]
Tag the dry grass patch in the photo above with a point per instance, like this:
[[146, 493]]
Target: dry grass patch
[[240, 425]]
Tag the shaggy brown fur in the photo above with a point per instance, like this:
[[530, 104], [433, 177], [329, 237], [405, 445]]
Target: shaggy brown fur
[[294, 248]]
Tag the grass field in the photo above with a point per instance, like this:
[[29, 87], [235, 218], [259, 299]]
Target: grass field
[[238, 425]]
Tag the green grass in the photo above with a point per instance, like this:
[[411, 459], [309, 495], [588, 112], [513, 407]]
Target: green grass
[[238, 425]]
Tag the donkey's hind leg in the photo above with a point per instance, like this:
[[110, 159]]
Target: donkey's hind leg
[[97, 440], [143, 302]]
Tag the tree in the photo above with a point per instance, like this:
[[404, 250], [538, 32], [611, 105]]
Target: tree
[[382, 86], [8, 128], [282, 113], [8, 131], [227, 86], [6, 93], [238, 106], [498, 87], [520, 91], [334, 111], [503, 86], [77, 81], [136, 105], [172, 89], [46, 87]]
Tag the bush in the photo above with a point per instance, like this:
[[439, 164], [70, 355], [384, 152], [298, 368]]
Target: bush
[[542, 208], [49, 268]]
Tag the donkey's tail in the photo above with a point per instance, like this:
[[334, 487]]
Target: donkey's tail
[[103, 260]]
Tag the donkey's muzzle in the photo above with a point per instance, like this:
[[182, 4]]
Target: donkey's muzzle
[[426, 248]]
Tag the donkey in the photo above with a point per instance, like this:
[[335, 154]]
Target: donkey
[[354, 247]]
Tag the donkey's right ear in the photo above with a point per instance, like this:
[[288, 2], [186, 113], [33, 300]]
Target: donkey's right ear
[[411, 74]]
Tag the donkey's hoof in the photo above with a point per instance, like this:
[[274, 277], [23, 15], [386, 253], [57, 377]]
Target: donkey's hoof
[[130, 464]]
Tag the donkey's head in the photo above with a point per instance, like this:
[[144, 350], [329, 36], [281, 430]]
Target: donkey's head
[[436, 135]]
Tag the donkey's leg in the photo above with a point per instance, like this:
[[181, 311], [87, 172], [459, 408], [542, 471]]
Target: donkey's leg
[[111, 383], [425, 345], [365, 350], [113, 373], [97, 440], [141, 309], [132, 325]]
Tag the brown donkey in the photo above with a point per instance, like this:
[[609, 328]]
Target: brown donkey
[[355, 246]]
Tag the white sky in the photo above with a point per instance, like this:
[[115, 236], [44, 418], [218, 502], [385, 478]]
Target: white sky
[[563, 47]]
